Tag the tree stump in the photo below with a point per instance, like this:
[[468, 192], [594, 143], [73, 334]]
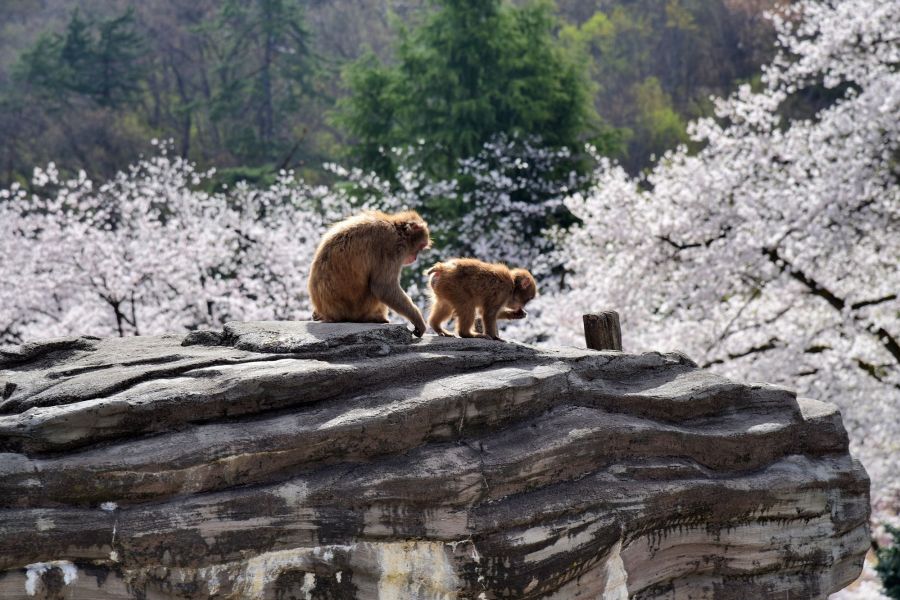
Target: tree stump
[[602, 330]]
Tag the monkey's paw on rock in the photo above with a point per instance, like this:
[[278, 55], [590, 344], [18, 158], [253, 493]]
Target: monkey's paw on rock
[[339, 461]]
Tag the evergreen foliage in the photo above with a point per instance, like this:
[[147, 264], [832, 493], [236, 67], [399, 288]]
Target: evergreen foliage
[[266, 69], [98, 60], [888, 566], [251, 86], [473, 70]]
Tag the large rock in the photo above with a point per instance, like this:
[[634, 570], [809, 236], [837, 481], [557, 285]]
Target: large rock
[[315, 461]]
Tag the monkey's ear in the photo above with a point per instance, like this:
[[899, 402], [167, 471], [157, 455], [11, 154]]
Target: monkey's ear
[[409, 227], [522, 282]]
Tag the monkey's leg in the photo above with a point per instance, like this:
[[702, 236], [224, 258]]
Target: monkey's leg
[[440, 312], [465, 318], [489, 316], [378, 314]]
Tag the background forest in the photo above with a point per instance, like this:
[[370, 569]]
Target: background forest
[[250, 87], [724, 173]]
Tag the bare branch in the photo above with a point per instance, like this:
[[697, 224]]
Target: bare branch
[[865, 303], [884, 337], [770, 345]]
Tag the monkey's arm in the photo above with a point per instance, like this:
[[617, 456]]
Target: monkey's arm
[[512, 314], [393, 295]]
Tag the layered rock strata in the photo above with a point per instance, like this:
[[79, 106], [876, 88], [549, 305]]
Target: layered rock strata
[[343, 461]]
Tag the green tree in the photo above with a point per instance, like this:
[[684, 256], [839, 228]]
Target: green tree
[[888, 566], [266, 71], [98, 60], [473, 69], [657, 63], [74, 97], [657, 126], [117, 68]]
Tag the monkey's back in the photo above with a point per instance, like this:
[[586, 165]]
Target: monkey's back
[[462, 280], [343, 265]]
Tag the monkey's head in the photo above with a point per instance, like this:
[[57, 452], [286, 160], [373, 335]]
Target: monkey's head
[[524, 291], [414, 236]]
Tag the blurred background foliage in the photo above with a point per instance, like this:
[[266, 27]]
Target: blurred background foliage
[[888, 566], [256, 86]]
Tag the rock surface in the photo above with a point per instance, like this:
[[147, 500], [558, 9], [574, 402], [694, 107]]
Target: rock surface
[[317, 461]]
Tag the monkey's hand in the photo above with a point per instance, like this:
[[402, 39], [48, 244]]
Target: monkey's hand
[[419, 328], [513, 314]]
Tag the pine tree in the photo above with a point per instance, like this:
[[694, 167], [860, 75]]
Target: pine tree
[[266, 70], [473, 70], [97, 60], [116, 56]]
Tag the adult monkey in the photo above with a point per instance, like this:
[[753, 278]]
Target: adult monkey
[[355, 274]]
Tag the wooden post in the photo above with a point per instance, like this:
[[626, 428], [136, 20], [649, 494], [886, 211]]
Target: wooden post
[[602, 331]]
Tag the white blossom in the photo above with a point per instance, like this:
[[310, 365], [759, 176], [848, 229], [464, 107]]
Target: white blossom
[[772, 253], [150, 252]]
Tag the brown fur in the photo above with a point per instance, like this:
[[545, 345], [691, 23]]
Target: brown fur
[[463, 287], [355, 274]]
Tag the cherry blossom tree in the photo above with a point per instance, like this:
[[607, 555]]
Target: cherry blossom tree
[[774, 252], [149, 252], [496, 205], [770, 254]]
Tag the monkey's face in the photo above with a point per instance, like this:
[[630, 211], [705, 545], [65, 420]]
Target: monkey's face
[[524, 292], [419, 240]]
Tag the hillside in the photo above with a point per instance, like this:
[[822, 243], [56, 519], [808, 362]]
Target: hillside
[[192, 77]]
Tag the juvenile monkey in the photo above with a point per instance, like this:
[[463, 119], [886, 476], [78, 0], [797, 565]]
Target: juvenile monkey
[[463, 286], [355, 274]]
